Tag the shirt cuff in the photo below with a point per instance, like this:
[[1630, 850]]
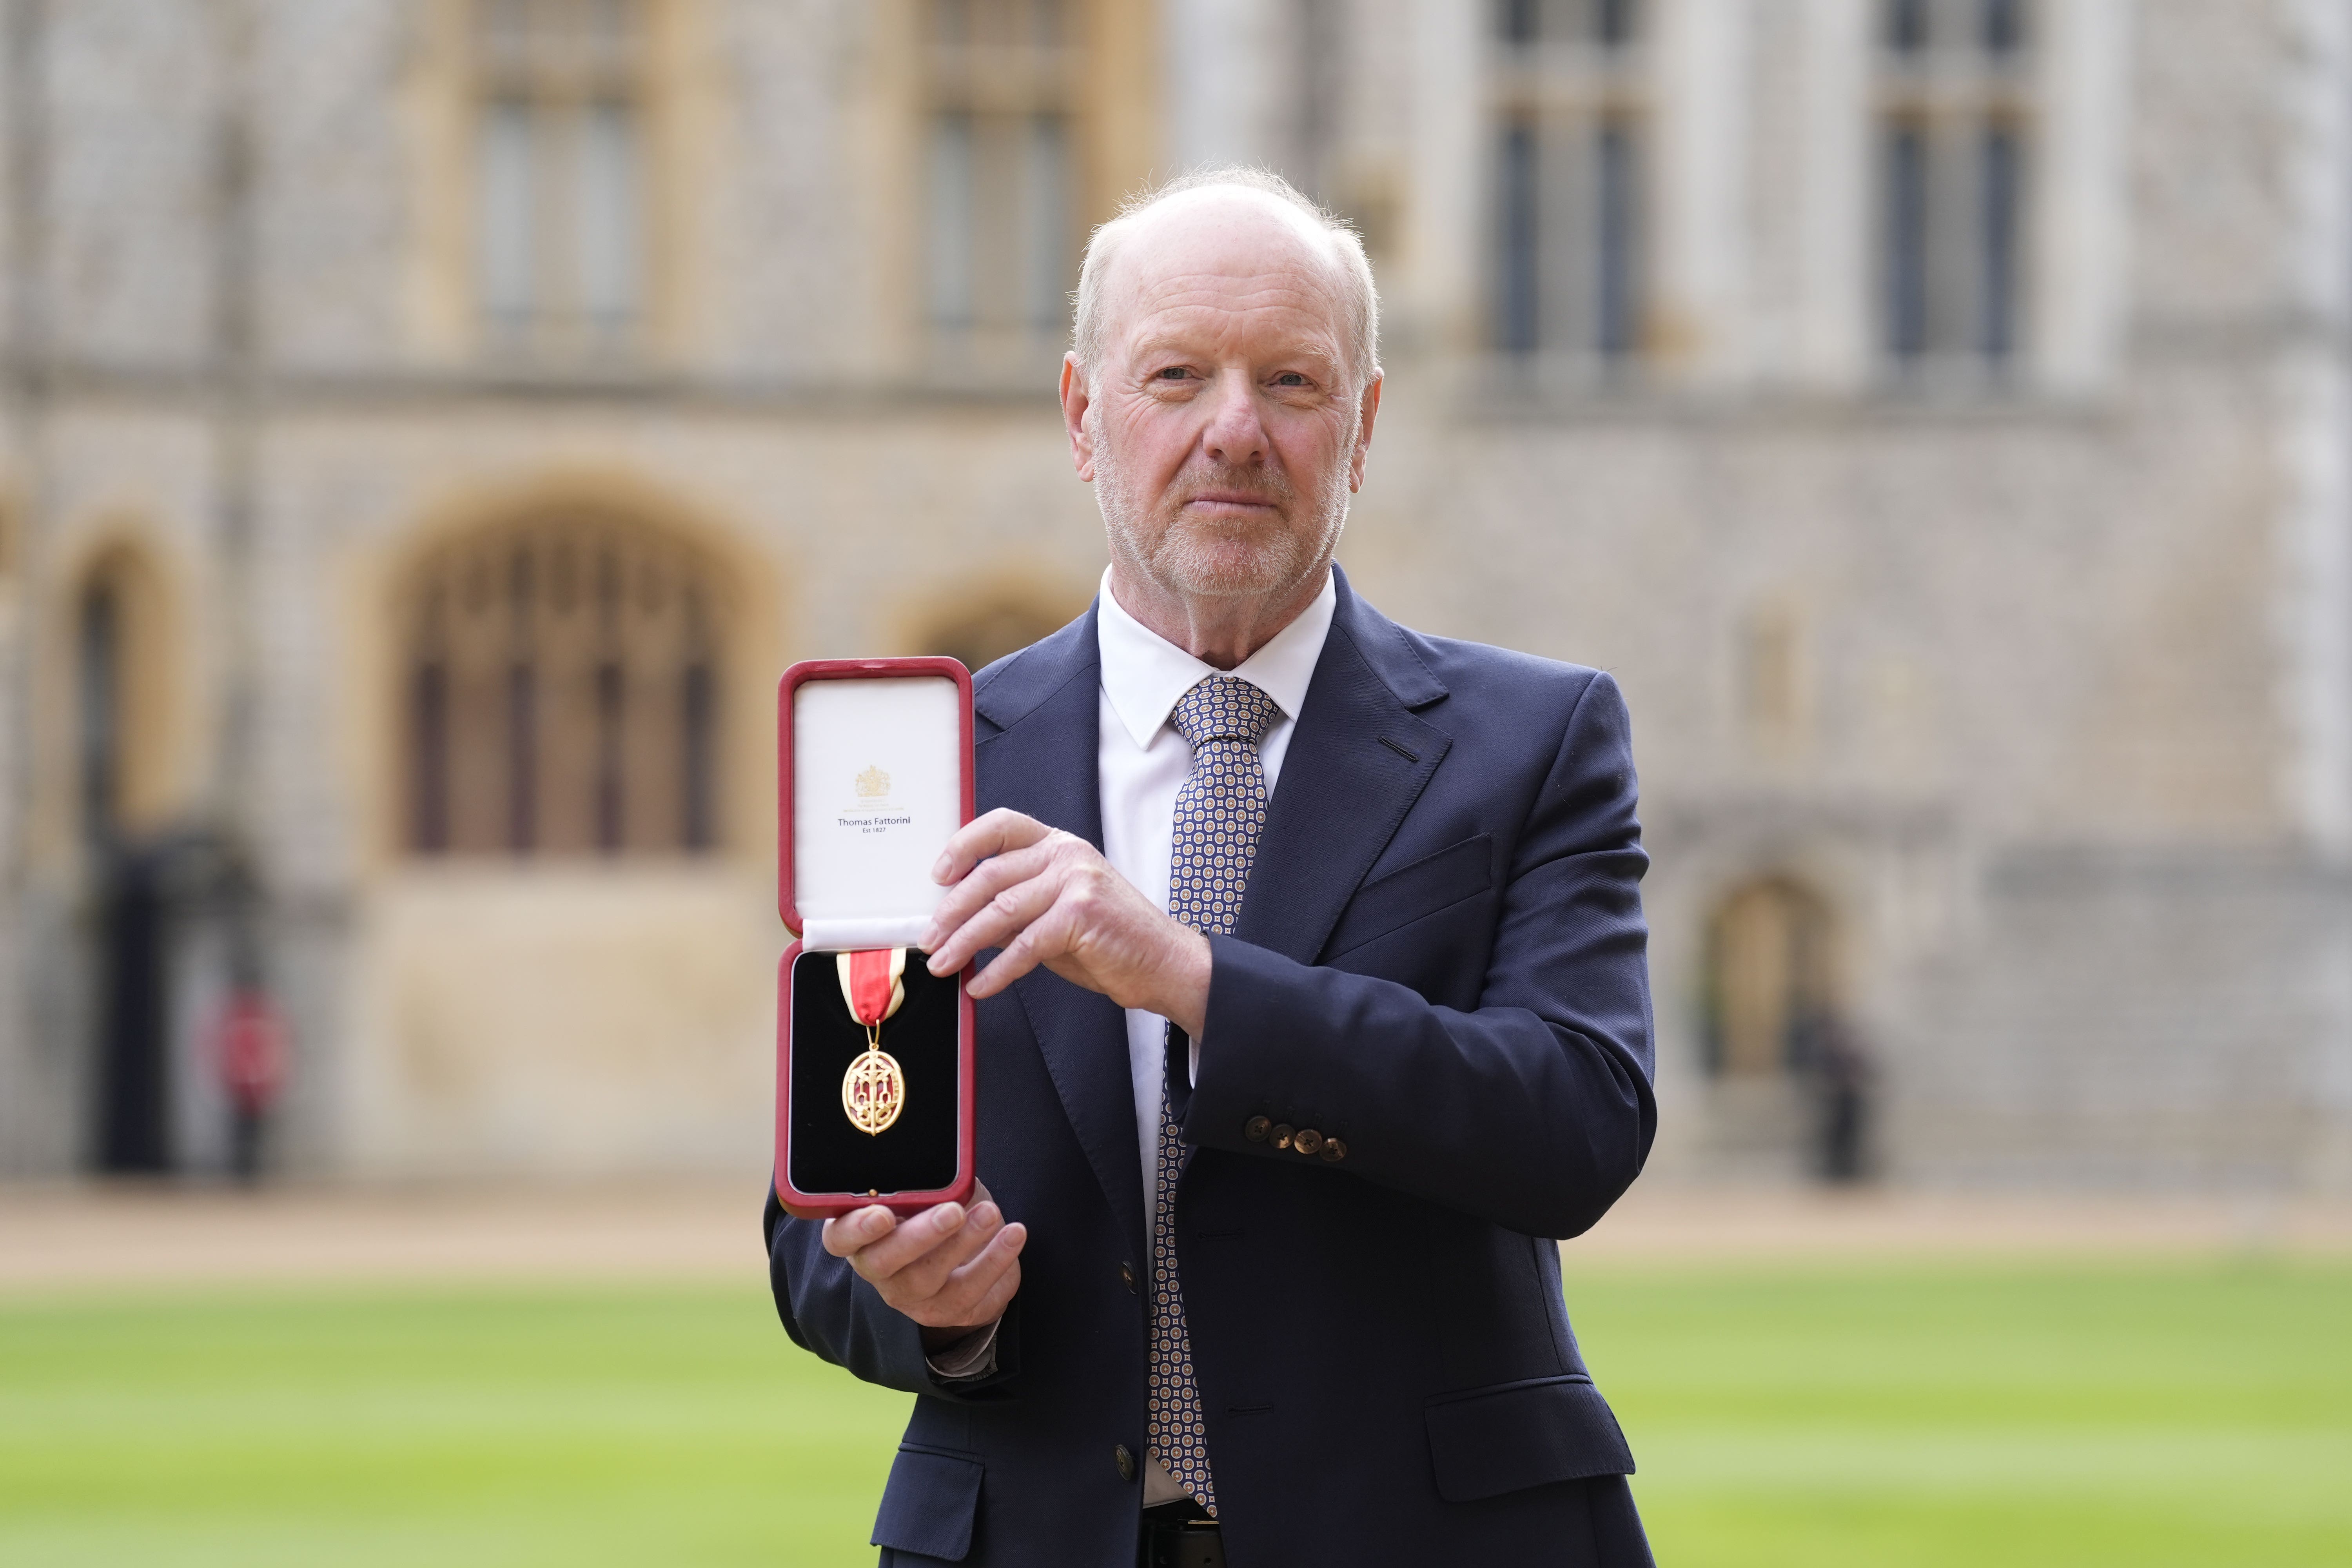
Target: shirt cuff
[[966, 1360]]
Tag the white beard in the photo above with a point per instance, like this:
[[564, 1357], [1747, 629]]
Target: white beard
[[1198, 560]]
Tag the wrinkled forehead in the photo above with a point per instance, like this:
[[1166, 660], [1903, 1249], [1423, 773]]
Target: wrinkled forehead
[[1214, 254]]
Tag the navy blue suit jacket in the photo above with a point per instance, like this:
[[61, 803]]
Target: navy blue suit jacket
[[1440, 959]]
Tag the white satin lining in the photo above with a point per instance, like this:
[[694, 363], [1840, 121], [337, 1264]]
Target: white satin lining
[[856, 933]]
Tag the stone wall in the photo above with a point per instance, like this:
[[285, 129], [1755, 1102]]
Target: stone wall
[[2068, 756]]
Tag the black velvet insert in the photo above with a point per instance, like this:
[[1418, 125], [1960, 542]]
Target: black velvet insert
[[916, 1153]]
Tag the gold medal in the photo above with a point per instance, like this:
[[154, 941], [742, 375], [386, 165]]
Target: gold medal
[[873, 1089]]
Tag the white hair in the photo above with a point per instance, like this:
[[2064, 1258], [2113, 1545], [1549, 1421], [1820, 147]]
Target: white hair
[[1362, 301]]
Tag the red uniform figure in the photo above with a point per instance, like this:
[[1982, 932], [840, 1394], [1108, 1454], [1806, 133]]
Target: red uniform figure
[[250, 1051]]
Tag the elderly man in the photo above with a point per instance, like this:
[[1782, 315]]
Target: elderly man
[[1319, 1005]]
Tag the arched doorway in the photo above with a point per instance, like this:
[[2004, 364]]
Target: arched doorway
[[1770, 980], [120, 628], [1789, 1075]]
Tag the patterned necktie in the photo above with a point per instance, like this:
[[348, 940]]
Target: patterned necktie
[[1220, 813]]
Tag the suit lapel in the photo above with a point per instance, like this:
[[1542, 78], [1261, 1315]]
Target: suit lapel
[[1358, 761], [1042, 760]]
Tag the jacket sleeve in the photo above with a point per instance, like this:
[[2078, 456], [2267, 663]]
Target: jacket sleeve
[[828, 1309], [1534, 1110]]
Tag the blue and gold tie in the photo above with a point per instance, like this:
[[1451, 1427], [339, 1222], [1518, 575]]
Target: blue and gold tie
[[1220, 813]]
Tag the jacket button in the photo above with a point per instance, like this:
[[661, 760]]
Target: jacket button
[[1335, 1150], [1125, 1461], [1282, 1134], [1127, 1277], [1256, 1128], [1309, 1141]]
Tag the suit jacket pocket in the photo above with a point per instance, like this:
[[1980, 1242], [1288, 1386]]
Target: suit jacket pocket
[[1456, 872], [1488, 1441], [929, 1506]]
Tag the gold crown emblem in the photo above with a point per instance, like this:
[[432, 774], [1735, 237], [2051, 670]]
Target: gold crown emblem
[[872, 784]]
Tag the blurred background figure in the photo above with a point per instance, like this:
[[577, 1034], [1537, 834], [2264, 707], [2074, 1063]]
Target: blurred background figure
[[1842, 1081], [250, 1048], [428, 426]]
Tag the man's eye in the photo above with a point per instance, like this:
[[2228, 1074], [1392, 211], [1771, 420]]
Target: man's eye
[[1290, 378], [1174, 372]]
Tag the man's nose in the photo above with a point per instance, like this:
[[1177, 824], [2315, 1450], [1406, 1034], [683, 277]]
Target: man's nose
[[1236, 436]]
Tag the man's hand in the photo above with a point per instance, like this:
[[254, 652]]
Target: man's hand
[[950, 1269], [1049, 896]]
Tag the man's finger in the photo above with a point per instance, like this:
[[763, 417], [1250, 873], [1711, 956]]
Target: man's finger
[[960, 1296], [1041, 941], [988, 878], [978, 1291], [995, 922], [927, 1274], [999, 1295], [914, 1237], [991, 834], [847, 1234]]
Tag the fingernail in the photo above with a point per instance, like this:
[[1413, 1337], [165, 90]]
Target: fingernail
[[951, 1216], [939, 869], [988, 1214]]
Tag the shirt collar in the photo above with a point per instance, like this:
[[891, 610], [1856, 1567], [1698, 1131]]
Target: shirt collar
[[1145, 675]]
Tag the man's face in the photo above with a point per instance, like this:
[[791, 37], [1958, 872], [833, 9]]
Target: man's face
[[1223, 430]]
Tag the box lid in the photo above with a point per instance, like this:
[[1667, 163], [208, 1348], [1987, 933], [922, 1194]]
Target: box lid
[[873, 774]]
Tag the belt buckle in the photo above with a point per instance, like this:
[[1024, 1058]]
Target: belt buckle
[[1186, 1543]]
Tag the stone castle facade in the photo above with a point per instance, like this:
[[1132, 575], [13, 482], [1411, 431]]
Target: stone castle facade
[[431, 426]]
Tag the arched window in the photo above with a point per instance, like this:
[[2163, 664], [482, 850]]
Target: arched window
[[989, 632], [1770, 979], [561, 690]]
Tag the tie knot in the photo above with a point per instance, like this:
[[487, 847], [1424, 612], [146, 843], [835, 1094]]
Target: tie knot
[[1223, 708]]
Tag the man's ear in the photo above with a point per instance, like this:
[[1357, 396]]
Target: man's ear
[[1366, 412], [1075, 403]]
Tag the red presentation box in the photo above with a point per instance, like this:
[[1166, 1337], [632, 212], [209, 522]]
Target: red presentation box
[[873, 775]]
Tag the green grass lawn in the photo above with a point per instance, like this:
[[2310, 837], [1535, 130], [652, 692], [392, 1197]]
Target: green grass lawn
[[2189, 1414]]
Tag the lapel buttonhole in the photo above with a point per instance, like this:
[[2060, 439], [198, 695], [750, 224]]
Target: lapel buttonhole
[[1399, 751]]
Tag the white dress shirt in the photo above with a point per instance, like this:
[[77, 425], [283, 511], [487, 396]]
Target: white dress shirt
[[1140, 763]]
